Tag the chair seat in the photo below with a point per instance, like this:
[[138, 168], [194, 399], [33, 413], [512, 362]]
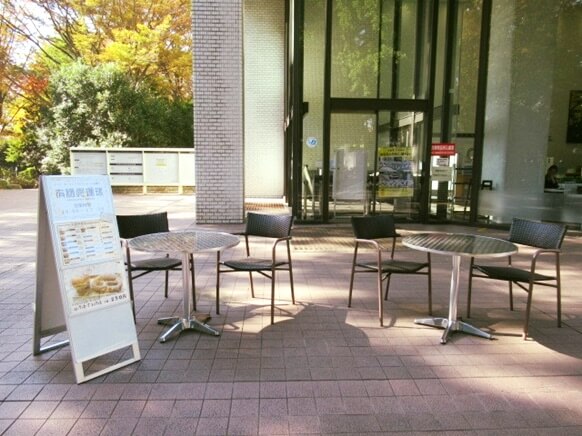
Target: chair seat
[[395, 266], [252, 264], [511, 274], [158, 263]]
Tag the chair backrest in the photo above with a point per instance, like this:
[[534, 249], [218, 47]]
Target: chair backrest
[[537, 234], [374, 227], [269, 226], [131, 226]]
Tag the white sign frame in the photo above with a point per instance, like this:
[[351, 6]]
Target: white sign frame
[[81, 285]]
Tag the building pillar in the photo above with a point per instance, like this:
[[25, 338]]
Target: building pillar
[[217, 42], [520, 83], [519, 96]]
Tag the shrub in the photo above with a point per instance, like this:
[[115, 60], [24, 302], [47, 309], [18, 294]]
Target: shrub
[[18, 180], [100, 107]]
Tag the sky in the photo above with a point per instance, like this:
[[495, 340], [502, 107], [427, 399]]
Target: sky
[[38, 28]]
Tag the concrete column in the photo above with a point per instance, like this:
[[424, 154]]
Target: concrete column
[[519, 94], [218, 110]]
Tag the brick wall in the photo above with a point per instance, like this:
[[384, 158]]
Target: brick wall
[[218, 110]]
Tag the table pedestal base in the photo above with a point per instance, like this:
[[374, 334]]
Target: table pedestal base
[[178, 325], [451, 327]]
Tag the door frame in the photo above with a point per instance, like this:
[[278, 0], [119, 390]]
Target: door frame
[[296, 108]]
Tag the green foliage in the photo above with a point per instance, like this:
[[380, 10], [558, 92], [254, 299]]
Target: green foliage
[[119, 73], [26, 151], [27, 178], [356, 54], [150, 40], [100, 107], [12, 179]]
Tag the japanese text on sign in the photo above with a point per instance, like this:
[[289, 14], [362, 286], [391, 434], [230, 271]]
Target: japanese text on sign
[[78, 199], [443, 149]]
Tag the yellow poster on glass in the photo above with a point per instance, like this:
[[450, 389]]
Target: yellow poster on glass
[[395, 172]]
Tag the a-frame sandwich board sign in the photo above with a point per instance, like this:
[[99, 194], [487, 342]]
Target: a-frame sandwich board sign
[[81, 285]]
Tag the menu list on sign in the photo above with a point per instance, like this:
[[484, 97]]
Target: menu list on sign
[[86, 241]]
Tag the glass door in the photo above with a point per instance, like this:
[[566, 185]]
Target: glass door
[[376, 163], [365, 81]]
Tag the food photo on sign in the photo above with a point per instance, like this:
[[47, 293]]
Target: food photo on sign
[[94, 286]]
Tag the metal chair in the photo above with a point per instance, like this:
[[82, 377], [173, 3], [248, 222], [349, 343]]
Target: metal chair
[[132, 226], [547, 238], [368, 230], [274, 227]]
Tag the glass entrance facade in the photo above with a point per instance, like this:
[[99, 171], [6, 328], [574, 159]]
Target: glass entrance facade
[[365, 84], [436, 110], [375, 161]]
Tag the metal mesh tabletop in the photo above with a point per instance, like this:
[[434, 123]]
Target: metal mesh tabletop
[[184, 242], [460, 244]]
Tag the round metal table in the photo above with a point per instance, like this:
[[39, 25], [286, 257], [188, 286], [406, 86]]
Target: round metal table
[[457, 246], [184, 243]]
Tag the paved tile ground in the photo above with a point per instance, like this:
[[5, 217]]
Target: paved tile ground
[[321, 369]]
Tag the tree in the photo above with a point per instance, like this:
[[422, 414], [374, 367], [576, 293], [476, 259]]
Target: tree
[[8, 39], [144, 101], [101, 107], [150, 39]]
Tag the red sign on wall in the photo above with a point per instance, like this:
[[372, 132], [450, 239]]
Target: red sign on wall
[[443, 149]]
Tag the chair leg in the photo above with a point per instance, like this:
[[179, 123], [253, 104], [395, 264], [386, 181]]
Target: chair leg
[[527, 310], [559, 311], [558, 290], [387, 285], [292, 288], [193, 281], [352, 277], [511, 296], [218, 282], [273, 296], [429, 290], [129, 278], [380, 300], [469, 288], [252, 284], [166, 286], [290, 273], [130, 284]]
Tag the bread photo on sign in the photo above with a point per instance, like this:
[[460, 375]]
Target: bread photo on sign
[[90, 285], [82, 285]]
